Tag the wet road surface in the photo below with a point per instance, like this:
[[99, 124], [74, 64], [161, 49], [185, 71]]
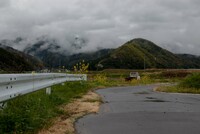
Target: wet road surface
[[139, 110]]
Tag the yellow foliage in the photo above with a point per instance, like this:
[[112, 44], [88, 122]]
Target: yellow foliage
[[135, 81], [81, 67], [143, 80], [146, 80], [100, 78]]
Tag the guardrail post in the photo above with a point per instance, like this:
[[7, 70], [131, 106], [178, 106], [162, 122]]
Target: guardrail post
[[3, 105], [85, 77], [48, 90]]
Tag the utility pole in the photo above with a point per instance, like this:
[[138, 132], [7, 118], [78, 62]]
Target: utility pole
[[144, 63]]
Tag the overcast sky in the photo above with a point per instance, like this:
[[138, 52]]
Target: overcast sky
[[172, 24]]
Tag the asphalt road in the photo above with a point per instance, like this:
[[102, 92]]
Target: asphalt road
[[139, 110]]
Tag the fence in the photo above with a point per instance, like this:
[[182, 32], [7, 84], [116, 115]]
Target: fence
[[13, 85]]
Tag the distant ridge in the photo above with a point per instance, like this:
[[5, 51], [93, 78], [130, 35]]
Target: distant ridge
[[135, 54], [140, 53], [16, 61]]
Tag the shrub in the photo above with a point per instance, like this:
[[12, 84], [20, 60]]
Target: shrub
[[135, 82], [146, 80], [81, 67], [143, 80], [192, 81], [100, 78]]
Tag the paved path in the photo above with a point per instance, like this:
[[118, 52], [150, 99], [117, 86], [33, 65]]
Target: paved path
[[139, 110]]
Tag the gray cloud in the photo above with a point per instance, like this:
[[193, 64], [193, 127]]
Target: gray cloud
[[171, 24], [4, 3]]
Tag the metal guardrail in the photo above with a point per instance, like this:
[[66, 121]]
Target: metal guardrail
[[13, 85]]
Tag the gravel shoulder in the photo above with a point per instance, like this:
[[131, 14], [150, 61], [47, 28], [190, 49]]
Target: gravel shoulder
[[64, 124]]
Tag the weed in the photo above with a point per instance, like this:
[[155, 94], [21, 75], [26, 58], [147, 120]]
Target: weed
[[100, 78], [177, 89], [143, 80], [192, 81], [146, 80], [81, 67]]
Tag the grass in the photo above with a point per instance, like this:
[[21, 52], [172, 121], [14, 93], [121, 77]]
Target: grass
[[190, 84], [192, 81], [29, 113], [32, 112], [178, 89]]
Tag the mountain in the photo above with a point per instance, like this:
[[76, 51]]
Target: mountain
[[140, 53], [190, 61], [54, 56], [47, 51], [92, 58], [16, 61], [135, 54]]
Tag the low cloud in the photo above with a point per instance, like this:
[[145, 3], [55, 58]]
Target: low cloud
[[171, 24]]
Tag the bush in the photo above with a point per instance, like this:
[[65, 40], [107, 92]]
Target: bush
[[146, 80], [143, 80], [192, 81], [100, 78], [81, 67]]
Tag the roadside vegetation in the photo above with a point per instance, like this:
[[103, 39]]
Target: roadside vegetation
[[29, 113], [190, 84], [33, 112]]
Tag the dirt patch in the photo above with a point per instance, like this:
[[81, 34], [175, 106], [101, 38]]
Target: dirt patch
[[89, 103]]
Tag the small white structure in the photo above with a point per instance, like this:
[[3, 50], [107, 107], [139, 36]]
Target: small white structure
[[135, 75]]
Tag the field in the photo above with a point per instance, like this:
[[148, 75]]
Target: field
[[190, 84], [33, 112]]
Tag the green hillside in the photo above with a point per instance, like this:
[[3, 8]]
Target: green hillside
[[12, 60], [140, 53], [190, 61], [135, 54]]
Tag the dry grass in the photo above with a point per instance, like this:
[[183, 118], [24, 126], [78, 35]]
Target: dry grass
[[177, 89], [89, 103]]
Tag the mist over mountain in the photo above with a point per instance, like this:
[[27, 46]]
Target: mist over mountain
[[77, 45], [132, 55], [135, 54], [174, 25], [55, 56], [53, 31]]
